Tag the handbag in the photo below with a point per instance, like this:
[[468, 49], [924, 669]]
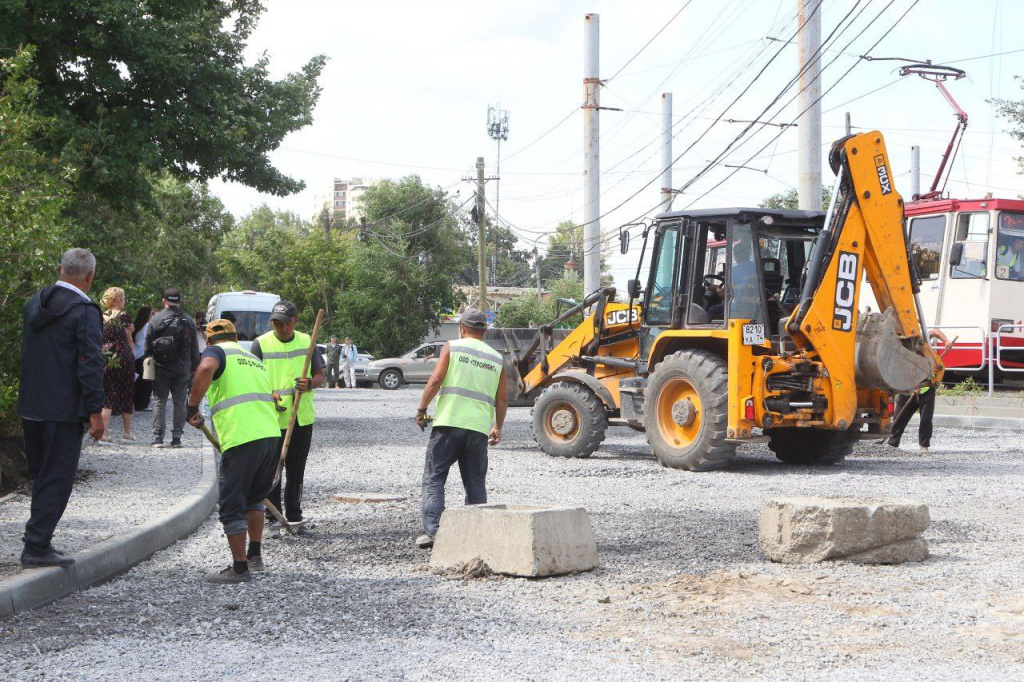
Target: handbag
[[149, 369]]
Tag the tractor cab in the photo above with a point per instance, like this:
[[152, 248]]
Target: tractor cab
[[712, 266]]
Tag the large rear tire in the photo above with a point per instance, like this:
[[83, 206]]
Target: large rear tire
[[809, 446], [686, 411], [569, 420]]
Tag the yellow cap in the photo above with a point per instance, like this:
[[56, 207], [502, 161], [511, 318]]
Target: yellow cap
[[220, 329]]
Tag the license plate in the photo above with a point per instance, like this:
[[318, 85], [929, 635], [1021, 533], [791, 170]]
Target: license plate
[[753, 334]]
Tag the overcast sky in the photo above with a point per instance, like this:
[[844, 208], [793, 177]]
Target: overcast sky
[[407, 87]]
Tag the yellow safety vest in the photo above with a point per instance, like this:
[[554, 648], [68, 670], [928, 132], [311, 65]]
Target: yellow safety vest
[[467, 396], [284, 362], [241, 405]]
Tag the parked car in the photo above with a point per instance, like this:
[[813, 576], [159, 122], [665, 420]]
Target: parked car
[[248, 310], [359, 371], [415, 367]]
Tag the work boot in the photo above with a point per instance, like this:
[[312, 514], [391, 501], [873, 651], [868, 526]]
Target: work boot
[[158, 442], [48, 558], [228, 577], [175, 442], [425, 541], [256, 564]]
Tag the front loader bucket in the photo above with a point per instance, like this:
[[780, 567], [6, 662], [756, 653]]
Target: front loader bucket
[[883, 363]]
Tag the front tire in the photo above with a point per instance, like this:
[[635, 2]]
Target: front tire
[[809, 446], [569, 420], [390, 379], [686, 411]]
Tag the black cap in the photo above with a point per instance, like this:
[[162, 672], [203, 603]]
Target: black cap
[[172, 295], [284, 311], [473, 318]]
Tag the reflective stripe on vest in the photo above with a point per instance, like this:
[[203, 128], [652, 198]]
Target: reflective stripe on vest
[[284, 361], [242, 407], [467, 396]]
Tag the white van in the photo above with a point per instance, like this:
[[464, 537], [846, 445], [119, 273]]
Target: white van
[[248, 310]]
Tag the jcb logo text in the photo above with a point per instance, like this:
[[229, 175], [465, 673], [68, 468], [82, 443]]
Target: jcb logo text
[[620, 317], [846, 288], [883, 175]]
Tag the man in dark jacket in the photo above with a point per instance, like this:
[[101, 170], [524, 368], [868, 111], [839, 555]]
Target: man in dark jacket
[[61, 389], [174, 366]]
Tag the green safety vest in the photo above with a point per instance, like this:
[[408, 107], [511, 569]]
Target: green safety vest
[[241, 405], [467, 396], [284, 362], [1002, 260]]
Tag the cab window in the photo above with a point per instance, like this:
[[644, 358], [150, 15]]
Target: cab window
[[926, 236], [1010, 247], [744, 280], [972, 232], [659, 305]]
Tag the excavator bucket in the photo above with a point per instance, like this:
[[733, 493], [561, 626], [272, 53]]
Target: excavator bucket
[[882, 361]]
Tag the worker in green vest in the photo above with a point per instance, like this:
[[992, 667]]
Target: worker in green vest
[[1012, 257], [924, 401], [283, 350], [470, 383], [238, 389]]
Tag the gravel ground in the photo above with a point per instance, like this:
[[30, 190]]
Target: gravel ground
[[688, 593], [118, 486]]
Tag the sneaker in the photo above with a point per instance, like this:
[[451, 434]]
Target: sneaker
[[175, 442], [107, 442], [425, 541], [922, 448], [47, 558], [228, 577], [304, 532], [158, 442], [256, 564], [892, 443]]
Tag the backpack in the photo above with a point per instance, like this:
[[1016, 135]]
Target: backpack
[[171, 340]]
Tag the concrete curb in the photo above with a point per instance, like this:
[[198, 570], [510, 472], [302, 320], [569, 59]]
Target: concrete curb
[[978, 422], [40, 586]]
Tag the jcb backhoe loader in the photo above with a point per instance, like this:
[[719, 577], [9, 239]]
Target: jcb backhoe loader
[[748, 322]]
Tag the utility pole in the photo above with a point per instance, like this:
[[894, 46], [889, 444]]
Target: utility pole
[[481, 227], [915, 172], [497, 130], [591, 157], [849, 128], [667, 192], [809, 101]]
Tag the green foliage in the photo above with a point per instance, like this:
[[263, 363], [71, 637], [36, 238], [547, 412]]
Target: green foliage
[[522, 310], [566, 242], [159, 86], [34, 188], [968, 388], [790, 200]]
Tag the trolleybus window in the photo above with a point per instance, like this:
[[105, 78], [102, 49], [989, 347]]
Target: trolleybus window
[[926, 244], [972, 231], [1010, 247]]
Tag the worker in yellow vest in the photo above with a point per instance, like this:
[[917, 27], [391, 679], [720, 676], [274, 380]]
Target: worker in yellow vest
[[283, 350], [242, 408], [923, 401], [470, 382]]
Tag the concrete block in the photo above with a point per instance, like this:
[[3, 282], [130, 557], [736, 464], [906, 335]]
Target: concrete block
[[520, 540], [37, 587], [100, 564], [797, 530]]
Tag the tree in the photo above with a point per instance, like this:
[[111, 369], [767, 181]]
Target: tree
[[522, 310], [566, 242], [790, 200], [33, 190], [159, 86]]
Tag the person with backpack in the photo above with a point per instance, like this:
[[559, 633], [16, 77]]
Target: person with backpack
[[174, 347]]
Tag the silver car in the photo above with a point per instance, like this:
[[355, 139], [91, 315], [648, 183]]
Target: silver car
[[415, 367], [358, 369]]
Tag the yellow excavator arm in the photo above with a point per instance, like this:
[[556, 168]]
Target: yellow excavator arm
[[863, 239]]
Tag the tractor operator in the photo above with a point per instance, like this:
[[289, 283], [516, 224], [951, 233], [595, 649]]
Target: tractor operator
[[284, 351], [743, 282], [242, 409], [469, 416]]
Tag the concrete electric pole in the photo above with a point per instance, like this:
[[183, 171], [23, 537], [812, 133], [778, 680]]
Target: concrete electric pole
[[809, 101], [915, 172], [591, 157], [667, 193], [481, 227]]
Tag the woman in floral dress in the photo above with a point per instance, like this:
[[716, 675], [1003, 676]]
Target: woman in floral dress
[[119, 374]]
